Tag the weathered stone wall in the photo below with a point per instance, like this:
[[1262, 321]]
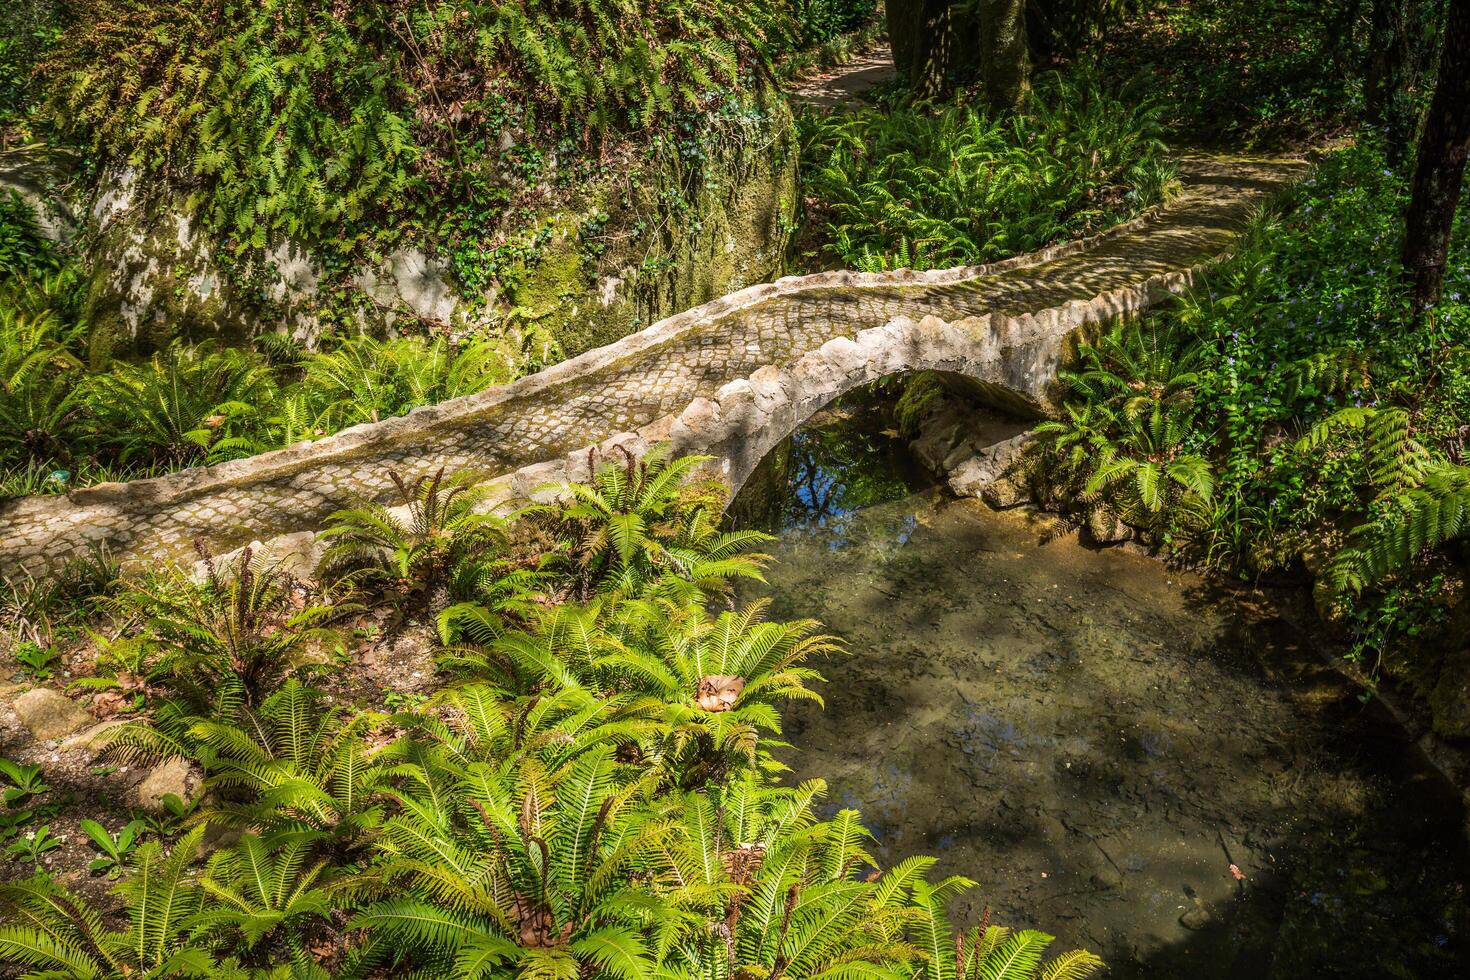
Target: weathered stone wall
[[731, 378], [678, 234], [613, 253]]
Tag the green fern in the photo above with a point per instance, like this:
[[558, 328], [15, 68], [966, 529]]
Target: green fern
[[1433, 511], [230, 637], [444, 540], [1394, 459]]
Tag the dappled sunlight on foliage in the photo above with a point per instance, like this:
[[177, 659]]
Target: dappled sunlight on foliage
[[592, 795], [920, 187]]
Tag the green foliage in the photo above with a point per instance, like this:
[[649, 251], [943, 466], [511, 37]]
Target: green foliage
[[32, 845], [1067, 27], [593, 800], [643, 522], [58, 934], [951, 186], [40, 612], [922, 392], [40, 404], [25, 782], [229, 637], [35, 659], [294, 762], [62, 426], [23, 250], [1122, 440], [443, 541], [1239, 72], [27, 30], [116, 848], [718, 678], [167, 409], [304, 118], [1433, 509], [1326, 425], [360, 379], [819, 21]]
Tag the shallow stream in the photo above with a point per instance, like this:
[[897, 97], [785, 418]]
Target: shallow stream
[[1097, 739]]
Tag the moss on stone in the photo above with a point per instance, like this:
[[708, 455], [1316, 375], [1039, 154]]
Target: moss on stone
[[681, 228], [676, 234], [152, 281]]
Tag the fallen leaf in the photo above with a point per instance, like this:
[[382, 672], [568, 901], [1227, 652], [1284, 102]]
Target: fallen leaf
[[108, 703], [718, 692]]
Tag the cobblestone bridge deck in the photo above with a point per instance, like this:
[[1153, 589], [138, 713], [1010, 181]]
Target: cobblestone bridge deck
[[731, 378]]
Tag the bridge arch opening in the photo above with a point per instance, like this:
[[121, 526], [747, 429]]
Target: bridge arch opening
[[868, 446]]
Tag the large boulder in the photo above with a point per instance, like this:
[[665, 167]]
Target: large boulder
[[173, 777], [1450, 699], [607, 257], [49, 715], [987, 465]]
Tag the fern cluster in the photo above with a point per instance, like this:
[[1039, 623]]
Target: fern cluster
[[931, 187], [299, 118], [1288, 412], [1124, 439], [61, 423], [592, 797]]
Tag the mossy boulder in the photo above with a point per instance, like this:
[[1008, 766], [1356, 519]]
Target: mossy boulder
[[1450, 699], [679, 231], [154, 276]]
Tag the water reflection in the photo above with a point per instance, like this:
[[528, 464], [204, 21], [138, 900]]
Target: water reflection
[[810, 482], [1098, 740]]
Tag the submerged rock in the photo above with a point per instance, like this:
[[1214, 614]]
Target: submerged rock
[[978, 451], [1197, 916], [988, 465]]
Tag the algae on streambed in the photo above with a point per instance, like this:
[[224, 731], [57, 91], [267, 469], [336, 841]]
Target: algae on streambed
[[1097, 739]]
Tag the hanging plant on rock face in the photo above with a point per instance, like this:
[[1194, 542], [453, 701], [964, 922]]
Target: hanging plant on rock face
[[300, 119]]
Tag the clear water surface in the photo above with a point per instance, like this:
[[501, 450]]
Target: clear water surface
[[1097, 739]]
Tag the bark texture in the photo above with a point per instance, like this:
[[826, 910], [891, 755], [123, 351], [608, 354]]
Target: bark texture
[[1401, 47], [934, 50], [902, 20], [1440, 167], [1005, 61]]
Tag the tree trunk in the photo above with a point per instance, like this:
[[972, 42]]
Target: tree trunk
[[1005, 61], [902, 19], [1384, 20], [929, 75], [1440, 167], [1400, 48]]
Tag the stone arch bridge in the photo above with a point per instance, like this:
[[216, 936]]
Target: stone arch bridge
[[731, 378]]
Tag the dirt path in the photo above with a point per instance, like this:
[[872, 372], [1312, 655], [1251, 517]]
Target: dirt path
[[847, 85]]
